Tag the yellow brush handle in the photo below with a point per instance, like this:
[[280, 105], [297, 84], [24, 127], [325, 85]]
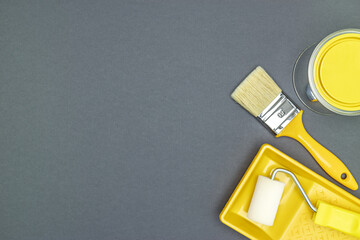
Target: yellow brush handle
[[327, 160], [337, 218]]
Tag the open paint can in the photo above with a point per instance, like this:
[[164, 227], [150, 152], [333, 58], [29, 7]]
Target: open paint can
[[326, 75]]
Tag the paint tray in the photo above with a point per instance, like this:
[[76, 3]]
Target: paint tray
[[294, 217]]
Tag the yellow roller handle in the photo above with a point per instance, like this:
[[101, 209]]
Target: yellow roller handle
[[327, 160], [337, 218]]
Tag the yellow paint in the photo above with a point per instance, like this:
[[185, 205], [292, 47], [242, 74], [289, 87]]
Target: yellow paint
[[294, 217], [337, 71]]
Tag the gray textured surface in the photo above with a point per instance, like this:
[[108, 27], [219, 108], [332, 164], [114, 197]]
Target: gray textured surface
[[116, 120]]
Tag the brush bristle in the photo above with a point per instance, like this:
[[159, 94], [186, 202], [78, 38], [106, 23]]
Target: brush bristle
[[256, 92]]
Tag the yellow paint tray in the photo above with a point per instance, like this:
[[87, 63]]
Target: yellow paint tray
[[294, 217]]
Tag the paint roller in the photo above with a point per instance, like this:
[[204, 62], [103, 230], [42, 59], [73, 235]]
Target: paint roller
[[266, 199]]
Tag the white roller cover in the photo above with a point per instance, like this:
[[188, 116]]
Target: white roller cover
[[265, 200]]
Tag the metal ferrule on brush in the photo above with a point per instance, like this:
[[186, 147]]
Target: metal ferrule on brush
[[279, 113]]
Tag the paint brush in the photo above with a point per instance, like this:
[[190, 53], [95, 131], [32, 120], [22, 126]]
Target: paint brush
[[264, 99]]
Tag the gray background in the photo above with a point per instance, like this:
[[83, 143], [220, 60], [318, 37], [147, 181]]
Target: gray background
[[116, 120]]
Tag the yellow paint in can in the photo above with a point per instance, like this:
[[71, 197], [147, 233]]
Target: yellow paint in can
[[336, 71]]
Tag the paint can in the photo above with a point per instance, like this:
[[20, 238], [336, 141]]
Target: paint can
[[326, 75]]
